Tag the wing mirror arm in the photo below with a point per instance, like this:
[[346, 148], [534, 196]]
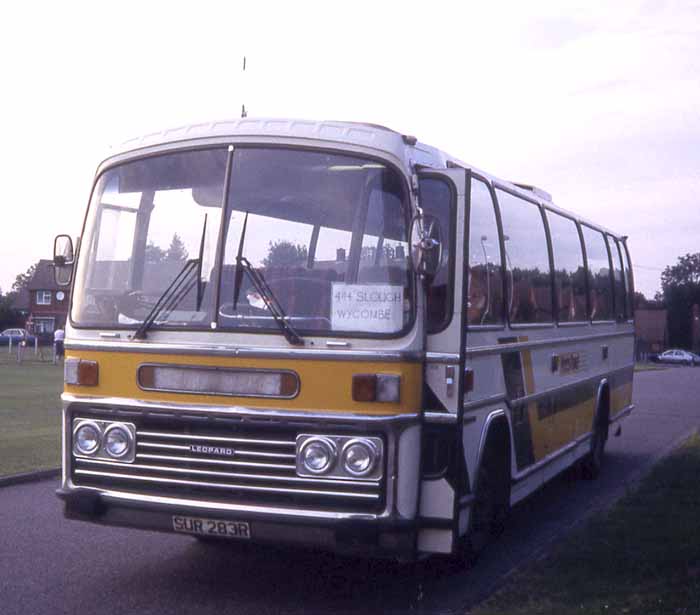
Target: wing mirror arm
[[426, 244]]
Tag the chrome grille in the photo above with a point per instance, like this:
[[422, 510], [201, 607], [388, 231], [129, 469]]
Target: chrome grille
[[260, 469]]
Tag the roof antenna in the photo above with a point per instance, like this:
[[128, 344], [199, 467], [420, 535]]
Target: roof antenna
[[244, 113]]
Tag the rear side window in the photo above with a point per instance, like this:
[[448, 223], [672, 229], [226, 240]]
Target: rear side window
[[528, 280], [618, 279], [629, 280], [485, 279], [436, 200], [569, 269], [599, 279]]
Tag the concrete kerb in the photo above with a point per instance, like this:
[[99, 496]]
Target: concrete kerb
[[28, 477]]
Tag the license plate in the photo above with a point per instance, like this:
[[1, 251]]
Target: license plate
[[212, 527]]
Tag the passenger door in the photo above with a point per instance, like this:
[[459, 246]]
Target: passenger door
[[444, 479], [442, 196]]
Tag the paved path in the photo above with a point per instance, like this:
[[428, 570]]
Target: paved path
[[50, 565]]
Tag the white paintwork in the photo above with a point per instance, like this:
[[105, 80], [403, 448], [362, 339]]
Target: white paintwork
[[437, 499], [408, 470], [434, 541], [483, 352]]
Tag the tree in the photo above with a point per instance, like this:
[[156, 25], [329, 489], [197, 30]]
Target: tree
[[8, 315], [23, 279], [177, 250], [680, 286], [284, 253], [642, 303], [685, 273], [154, 254]]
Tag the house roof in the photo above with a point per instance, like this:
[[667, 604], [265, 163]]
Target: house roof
[[43, 278]]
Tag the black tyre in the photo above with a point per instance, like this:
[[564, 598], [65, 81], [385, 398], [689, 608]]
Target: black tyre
[[592, 463], [490, 509]]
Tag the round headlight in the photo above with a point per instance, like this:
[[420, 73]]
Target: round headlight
[[87, 438], [117, 441], [318, 455], [359, 457]]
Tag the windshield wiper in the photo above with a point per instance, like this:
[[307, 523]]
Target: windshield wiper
[[264, 290], [178, 289], [270, 301], [171, 296], [200, 284], [239, 271]]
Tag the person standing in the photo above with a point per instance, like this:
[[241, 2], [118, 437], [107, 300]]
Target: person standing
[[59, 336]]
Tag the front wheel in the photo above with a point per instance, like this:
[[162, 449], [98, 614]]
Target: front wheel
[[489, 512]]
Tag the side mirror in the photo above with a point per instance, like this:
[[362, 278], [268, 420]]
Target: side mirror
[[63, 258], [426, 244]]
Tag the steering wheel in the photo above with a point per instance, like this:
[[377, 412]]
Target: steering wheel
[[131, 303], [226, 310]]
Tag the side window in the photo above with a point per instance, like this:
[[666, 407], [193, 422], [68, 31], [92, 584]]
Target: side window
[[528, 280], [569, 268], [599, 280], [113, 245], [436, 200], [485, 277], [618, 279]]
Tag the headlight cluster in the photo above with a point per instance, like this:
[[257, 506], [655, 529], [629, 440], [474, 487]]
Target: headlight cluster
[[339, 456], [104, 440]]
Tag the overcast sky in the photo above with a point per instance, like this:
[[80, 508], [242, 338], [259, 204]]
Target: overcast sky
[[596, 102]]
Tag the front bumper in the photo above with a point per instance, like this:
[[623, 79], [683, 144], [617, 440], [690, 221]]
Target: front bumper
[[350, 534], [389, 531]]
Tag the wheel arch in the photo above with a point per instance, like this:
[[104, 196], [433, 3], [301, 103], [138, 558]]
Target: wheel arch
[[496, 432]]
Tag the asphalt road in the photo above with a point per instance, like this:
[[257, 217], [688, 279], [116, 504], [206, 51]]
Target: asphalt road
[[50, 565]]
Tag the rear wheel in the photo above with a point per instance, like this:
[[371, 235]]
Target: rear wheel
[[592, 463]]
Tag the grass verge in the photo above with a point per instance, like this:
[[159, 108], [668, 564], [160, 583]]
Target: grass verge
[[643, 556], [30, 413]]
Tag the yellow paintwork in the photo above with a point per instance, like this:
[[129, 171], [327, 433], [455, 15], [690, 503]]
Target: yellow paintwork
[[325, 385], [557, 430], [538, 432], [572, 422]]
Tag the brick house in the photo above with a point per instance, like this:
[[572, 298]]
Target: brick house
[[48, 302], [651, 331]]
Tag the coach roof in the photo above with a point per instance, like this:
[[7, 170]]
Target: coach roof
[[353, 133], [403, 147]]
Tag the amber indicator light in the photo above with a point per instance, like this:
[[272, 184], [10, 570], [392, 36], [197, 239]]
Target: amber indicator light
[[364, 387], [147, 376], [289, 387]]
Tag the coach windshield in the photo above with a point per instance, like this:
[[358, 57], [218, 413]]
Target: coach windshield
[[328, 234], [325, 234]]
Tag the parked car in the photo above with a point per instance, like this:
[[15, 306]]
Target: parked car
[[16, 335], [676, 356]]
